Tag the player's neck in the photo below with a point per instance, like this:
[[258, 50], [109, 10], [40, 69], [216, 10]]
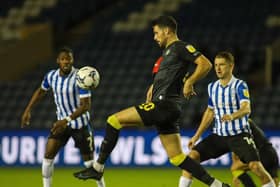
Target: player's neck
[[171, 40], [225, 80], [64, 74]]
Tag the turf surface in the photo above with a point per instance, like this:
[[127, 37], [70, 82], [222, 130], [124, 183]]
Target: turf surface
[[114, 177]]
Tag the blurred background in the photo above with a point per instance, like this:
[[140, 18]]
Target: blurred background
[[115, 37]]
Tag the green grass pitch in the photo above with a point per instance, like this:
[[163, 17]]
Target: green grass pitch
[[114, 177]]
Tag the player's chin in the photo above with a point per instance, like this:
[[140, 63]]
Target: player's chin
[[66, 70], [219, 75], [161, 45]]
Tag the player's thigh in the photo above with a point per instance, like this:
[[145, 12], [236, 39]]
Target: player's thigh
[[172, 144], [55, 142], [244, 147], [129, 117], [212, 146], [165, 115], [52, 148], [84, 141]]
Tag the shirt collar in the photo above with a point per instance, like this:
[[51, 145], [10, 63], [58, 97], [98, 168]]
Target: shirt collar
[[229, 83]]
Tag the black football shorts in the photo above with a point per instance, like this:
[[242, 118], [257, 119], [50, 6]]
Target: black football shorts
[[82, 137], [165, 115], [215, 146]]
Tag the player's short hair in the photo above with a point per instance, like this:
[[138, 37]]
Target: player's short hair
[[226, 55], [166, 21], [65, 49]]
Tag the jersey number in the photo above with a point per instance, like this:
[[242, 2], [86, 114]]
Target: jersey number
[[250, 141], [147, 106], [89, 139]]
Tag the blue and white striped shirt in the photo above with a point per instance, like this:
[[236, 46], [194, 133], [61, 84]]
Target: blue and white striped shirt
[[227, 100], [67, 96]]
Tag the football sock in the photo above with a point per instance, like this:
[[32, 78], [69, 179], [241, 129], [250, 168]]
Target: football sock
[[98, 167], [47, 171], [216, 183], [246, 180], [88, 163], [184, 182], [196, 170], [101, 182], [108, 144], [270, 184]]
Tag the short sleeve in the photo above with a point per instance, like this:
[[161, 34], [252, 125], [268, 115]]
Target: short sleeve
[[45, 85], [210, 102], [84, 93], [188, 52], [243, 92]]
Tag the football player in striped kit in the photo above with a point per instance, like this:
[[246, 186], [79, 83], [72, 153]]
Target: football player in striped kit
[[268, 156], [73, 118], [229, 106]]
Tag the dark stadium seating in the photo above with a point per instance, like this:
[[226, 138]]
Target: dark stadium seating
[[6, 5], [125, 58]]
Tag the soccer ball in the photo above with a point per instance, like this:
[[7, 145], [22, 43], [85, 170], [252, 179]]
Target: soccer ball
[[87, 78]]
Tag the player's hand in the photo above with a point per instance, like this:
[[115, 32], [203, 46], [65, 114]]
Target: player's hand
[[59, 126], [188, 90], [192, 142], [226, 117], [25, 119]]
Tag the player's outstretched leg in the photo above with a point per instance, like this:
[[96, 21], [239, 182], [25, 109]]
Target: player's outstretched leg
[[190, 165], [110, 140]]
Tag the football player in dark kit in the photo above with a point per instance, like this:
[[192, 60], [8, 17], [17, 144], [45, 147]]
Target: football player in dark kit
[[163, 108], [268, 156]]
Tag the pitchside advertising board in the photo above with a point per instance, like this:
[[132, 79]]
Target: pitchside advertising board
[[135, 148]]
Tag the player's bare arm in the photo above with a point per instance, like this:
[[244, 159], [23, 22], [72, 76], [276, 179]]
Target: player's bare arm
[[207, 118], [37, 95], [245, 109], [149, 94], [202, 69], [60, 125]]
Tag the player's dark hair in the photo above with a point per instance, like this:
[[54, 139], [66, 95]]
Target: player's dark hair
[[166, 21], [65, 49], [226, 55]]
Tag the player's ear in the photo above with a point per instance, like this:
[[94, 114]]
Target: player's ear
[[232, 66], [166, 30]]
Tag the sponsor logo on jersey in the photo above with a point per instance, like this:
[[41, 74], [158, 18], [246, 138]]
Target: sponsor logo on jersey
[[167, 52], [246, 93], [190, 48]]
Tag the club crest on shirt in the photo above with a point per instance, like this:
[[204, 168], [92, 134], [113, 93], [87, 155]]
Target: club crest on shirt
[[190, 48], [246, 93], [167, 52]]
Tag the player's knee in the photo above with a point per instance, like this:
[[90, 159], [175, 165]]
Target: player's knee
[[47, 168], [194, 155], [114, 122], [178, 159], [233, 168], [255, 166]]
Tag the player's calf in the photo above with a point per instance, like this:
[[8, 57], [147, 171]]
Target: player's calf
[[257, 168]]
